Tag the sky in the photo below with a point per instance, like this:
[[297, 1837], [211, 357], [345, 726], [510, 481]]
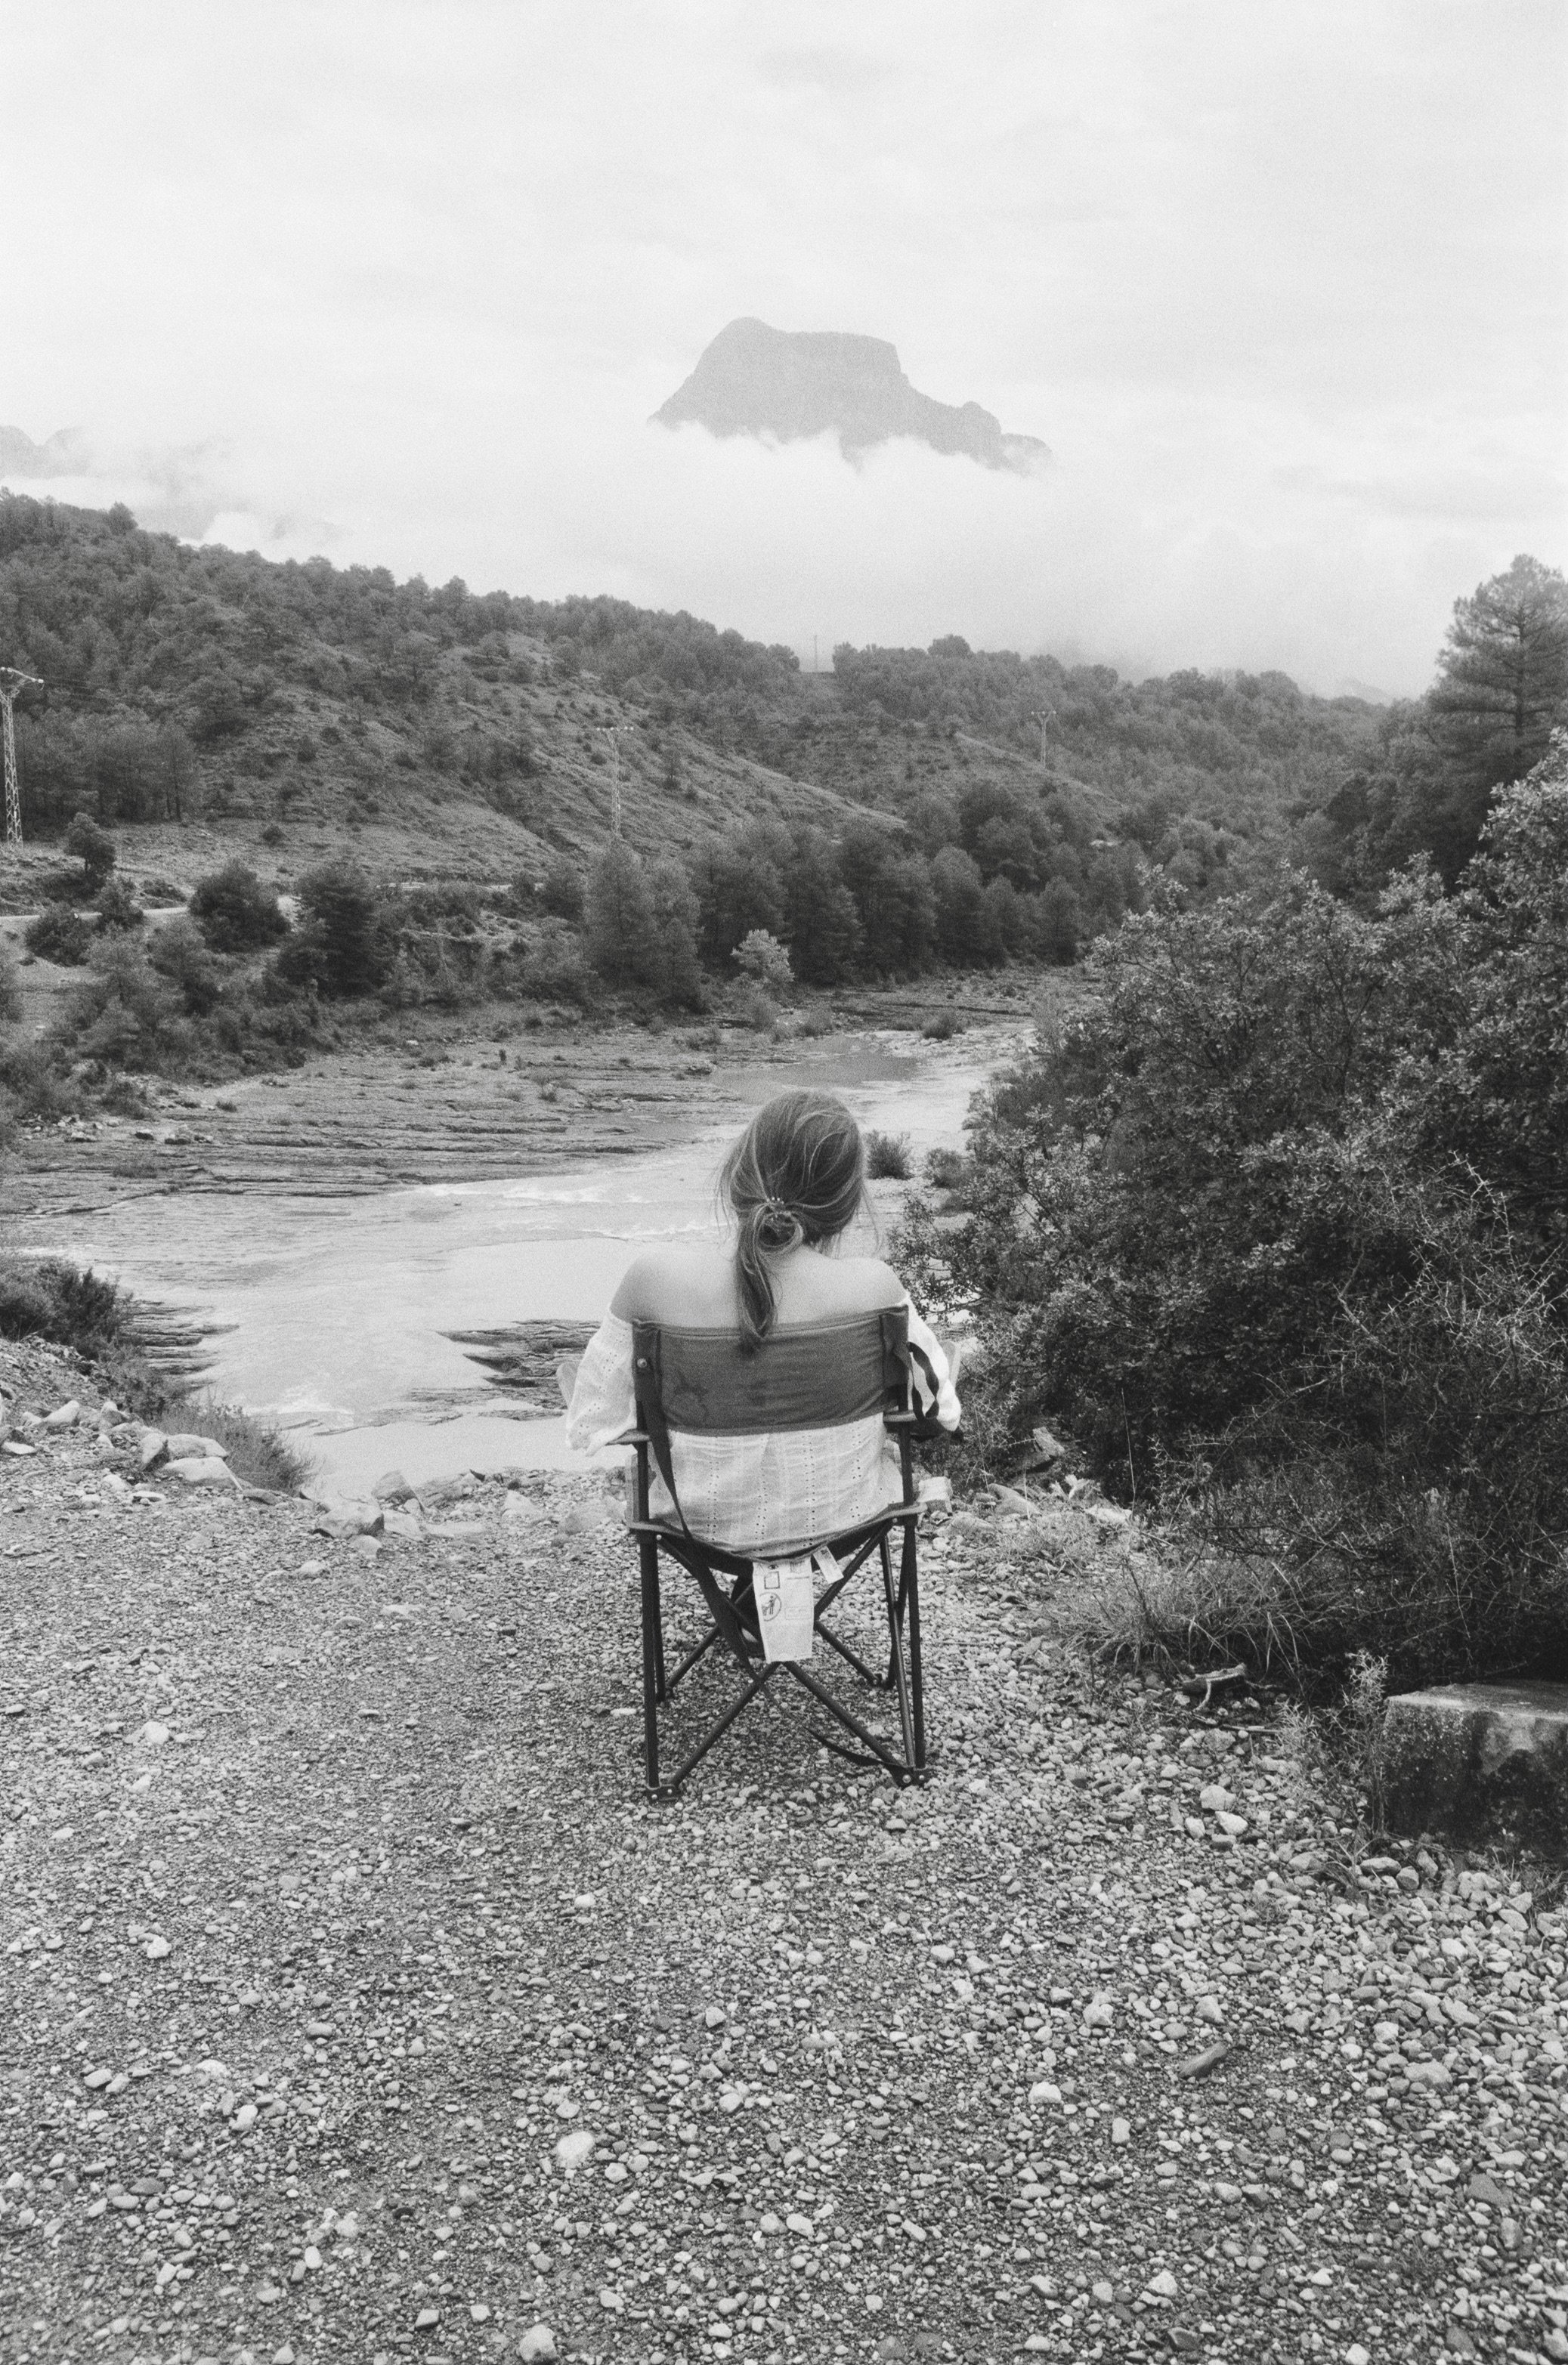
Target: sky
[[1282, 286]]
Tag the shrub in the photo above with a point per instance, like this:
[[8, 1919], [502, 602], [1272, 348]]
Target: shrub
[[943, 1027], [179, 952], [125, 1014], [117, 907], [10, 988], [346, 941], [59, 935], [888, 1157], [1269, 1230], [258, 1452], [947, 1169], [561, 891], [235, 912], [93, 848], [552, 967], [47, 1298], [29, 1080], [763, 959]]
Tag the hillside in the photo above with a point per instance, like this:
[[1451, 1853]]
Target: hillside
[[208, 695], [285, 708]]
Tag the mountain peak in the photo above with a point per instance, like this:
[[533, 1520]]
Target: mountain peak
[[758, 381]]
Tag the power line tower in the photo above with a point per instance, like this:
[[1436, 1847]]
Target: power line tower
[[11, 681], [1045, 716]]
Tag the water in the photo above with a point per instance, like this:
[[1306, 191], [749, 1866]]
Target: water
[[334, 1310]]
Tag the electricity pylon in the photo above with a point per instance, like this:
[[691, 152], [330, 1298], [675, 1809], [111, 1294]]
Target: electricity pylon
[[11, 681]]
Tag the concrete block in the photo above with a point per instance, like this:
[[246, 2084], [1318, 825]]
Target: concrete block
[[1480, 1761]]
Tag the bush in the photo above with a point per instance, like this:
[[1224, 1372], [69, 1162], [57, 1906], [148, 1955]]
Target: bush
[[235, 912], [117, 907], [762, 959], [346, 942], [10, 988], [45, 1298], [179, 952], [943, 1027], [888, 1157], [552, 967], [947, 1169], [93, 848], [59, 935], [259, 1453], [29, 1080], [1270, 1231], [561, 890]]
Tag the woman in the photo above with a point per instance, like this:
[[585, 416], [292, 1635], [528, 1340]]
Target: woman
[[794, 1182]]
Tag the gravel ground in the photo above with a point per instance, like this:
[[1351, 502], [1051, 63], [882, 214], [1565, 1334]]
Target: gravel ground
[[329, 1906]]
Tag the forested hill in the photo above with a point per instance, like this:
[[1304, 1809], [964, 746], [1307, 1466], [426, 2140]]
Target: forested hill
[[300, 703]]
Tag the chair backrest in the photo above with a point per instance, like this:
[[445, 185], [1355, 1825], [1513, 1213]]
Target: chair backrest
[[821, 1377]]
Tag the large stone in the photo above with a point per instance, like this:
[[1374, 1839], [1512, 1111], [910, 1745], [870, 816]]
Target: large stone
[[201, 1470], [1480, 1761]]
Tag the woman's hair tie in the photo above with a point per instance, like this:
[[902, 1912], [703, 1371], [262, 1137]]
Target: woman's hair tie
[[777, 1212]]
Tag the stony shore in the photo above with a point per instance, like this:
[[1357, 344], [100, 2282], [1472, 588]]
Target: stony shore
[[469, 1098], [331, 1903]]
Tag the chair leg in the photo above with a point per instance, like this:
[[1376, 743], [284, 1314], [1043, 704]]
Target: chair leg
[[653, 1658], [909, 1599], [905, 1719]]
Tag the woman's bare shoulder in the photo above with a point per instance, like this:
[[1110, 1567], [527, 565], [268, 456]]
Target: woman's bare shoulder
[[866, 1281], [669, 1281]]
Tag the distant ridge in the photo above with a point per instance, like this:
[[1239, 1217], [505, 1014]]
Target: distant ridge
[[62, 455], [758, 381]]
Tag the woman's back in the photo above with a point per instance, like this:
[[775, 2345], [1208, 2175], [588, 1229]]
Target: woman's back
[[695, 1288]]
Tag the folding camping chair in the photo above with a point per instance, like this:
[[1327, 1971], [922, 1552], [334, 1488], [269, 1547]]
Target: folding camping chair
[[700, 1381]]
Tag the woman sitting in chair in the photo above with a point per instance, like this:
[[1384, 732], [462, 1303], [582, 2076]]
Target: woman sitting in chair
[[794, 1181]]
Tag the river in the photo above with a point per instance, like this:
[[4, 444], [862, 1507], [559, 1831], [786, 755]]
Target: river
[[332, 1314]]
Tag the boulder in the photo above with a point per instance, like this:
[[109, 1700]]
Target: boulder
[[150, 1447], [1480, 1761], [184, 1445], [65, 1415], [201, 1470], [346, 1518], [392, 1487], [402, 1523]]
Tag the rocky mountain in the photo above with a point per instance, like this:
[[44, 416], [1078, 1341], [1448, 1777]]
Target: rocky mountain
[[754, 380]]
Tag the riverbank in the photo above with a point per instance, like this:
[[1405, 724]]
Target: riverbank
[[474, 1097], [331, 1902]]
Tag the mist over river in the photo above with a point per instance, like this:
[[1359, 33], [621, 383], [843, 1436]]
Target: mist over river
[[332, 1313]]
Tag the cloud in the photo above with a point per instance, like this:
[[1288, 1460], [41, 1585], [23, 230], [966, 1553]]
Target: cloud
[[1282, 289]]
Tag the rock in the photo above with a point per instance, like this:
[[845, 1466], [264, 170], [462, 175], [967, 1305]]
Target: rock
[[1482, 1761], [1162, 2285], [456, 1530], [152, 1446], [933, 1494], [586, 1518], [1045, 2096], [184, 1445], [1120, 2130], [1233, 1826], [366, 1547], [151, 1735], [402, 1523], [65, 1415], [1100, 2012], [1356, 2355], [575, 2150], [202, 1470], [342, 1519], [537, 2345], [479, 2310], [524, 1508], [392, 1487], [1215, 1799], [426, 2318]]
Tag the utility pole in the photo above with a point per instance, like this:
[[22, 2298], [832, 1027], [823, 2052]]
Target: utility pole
[[11, 681], [1045, 716]]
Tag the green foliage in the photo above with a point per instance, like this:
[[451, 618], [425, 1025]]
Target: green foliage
[[46, 1297], [552, 967], [10, 988], [888, 1157], [561, 890], [763, 959], [117, 907], [60, 936], [179, 952], [125, 1014], [1277, 1229], [1432, 778], [344, 945], [235, 912], [93, 848]]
